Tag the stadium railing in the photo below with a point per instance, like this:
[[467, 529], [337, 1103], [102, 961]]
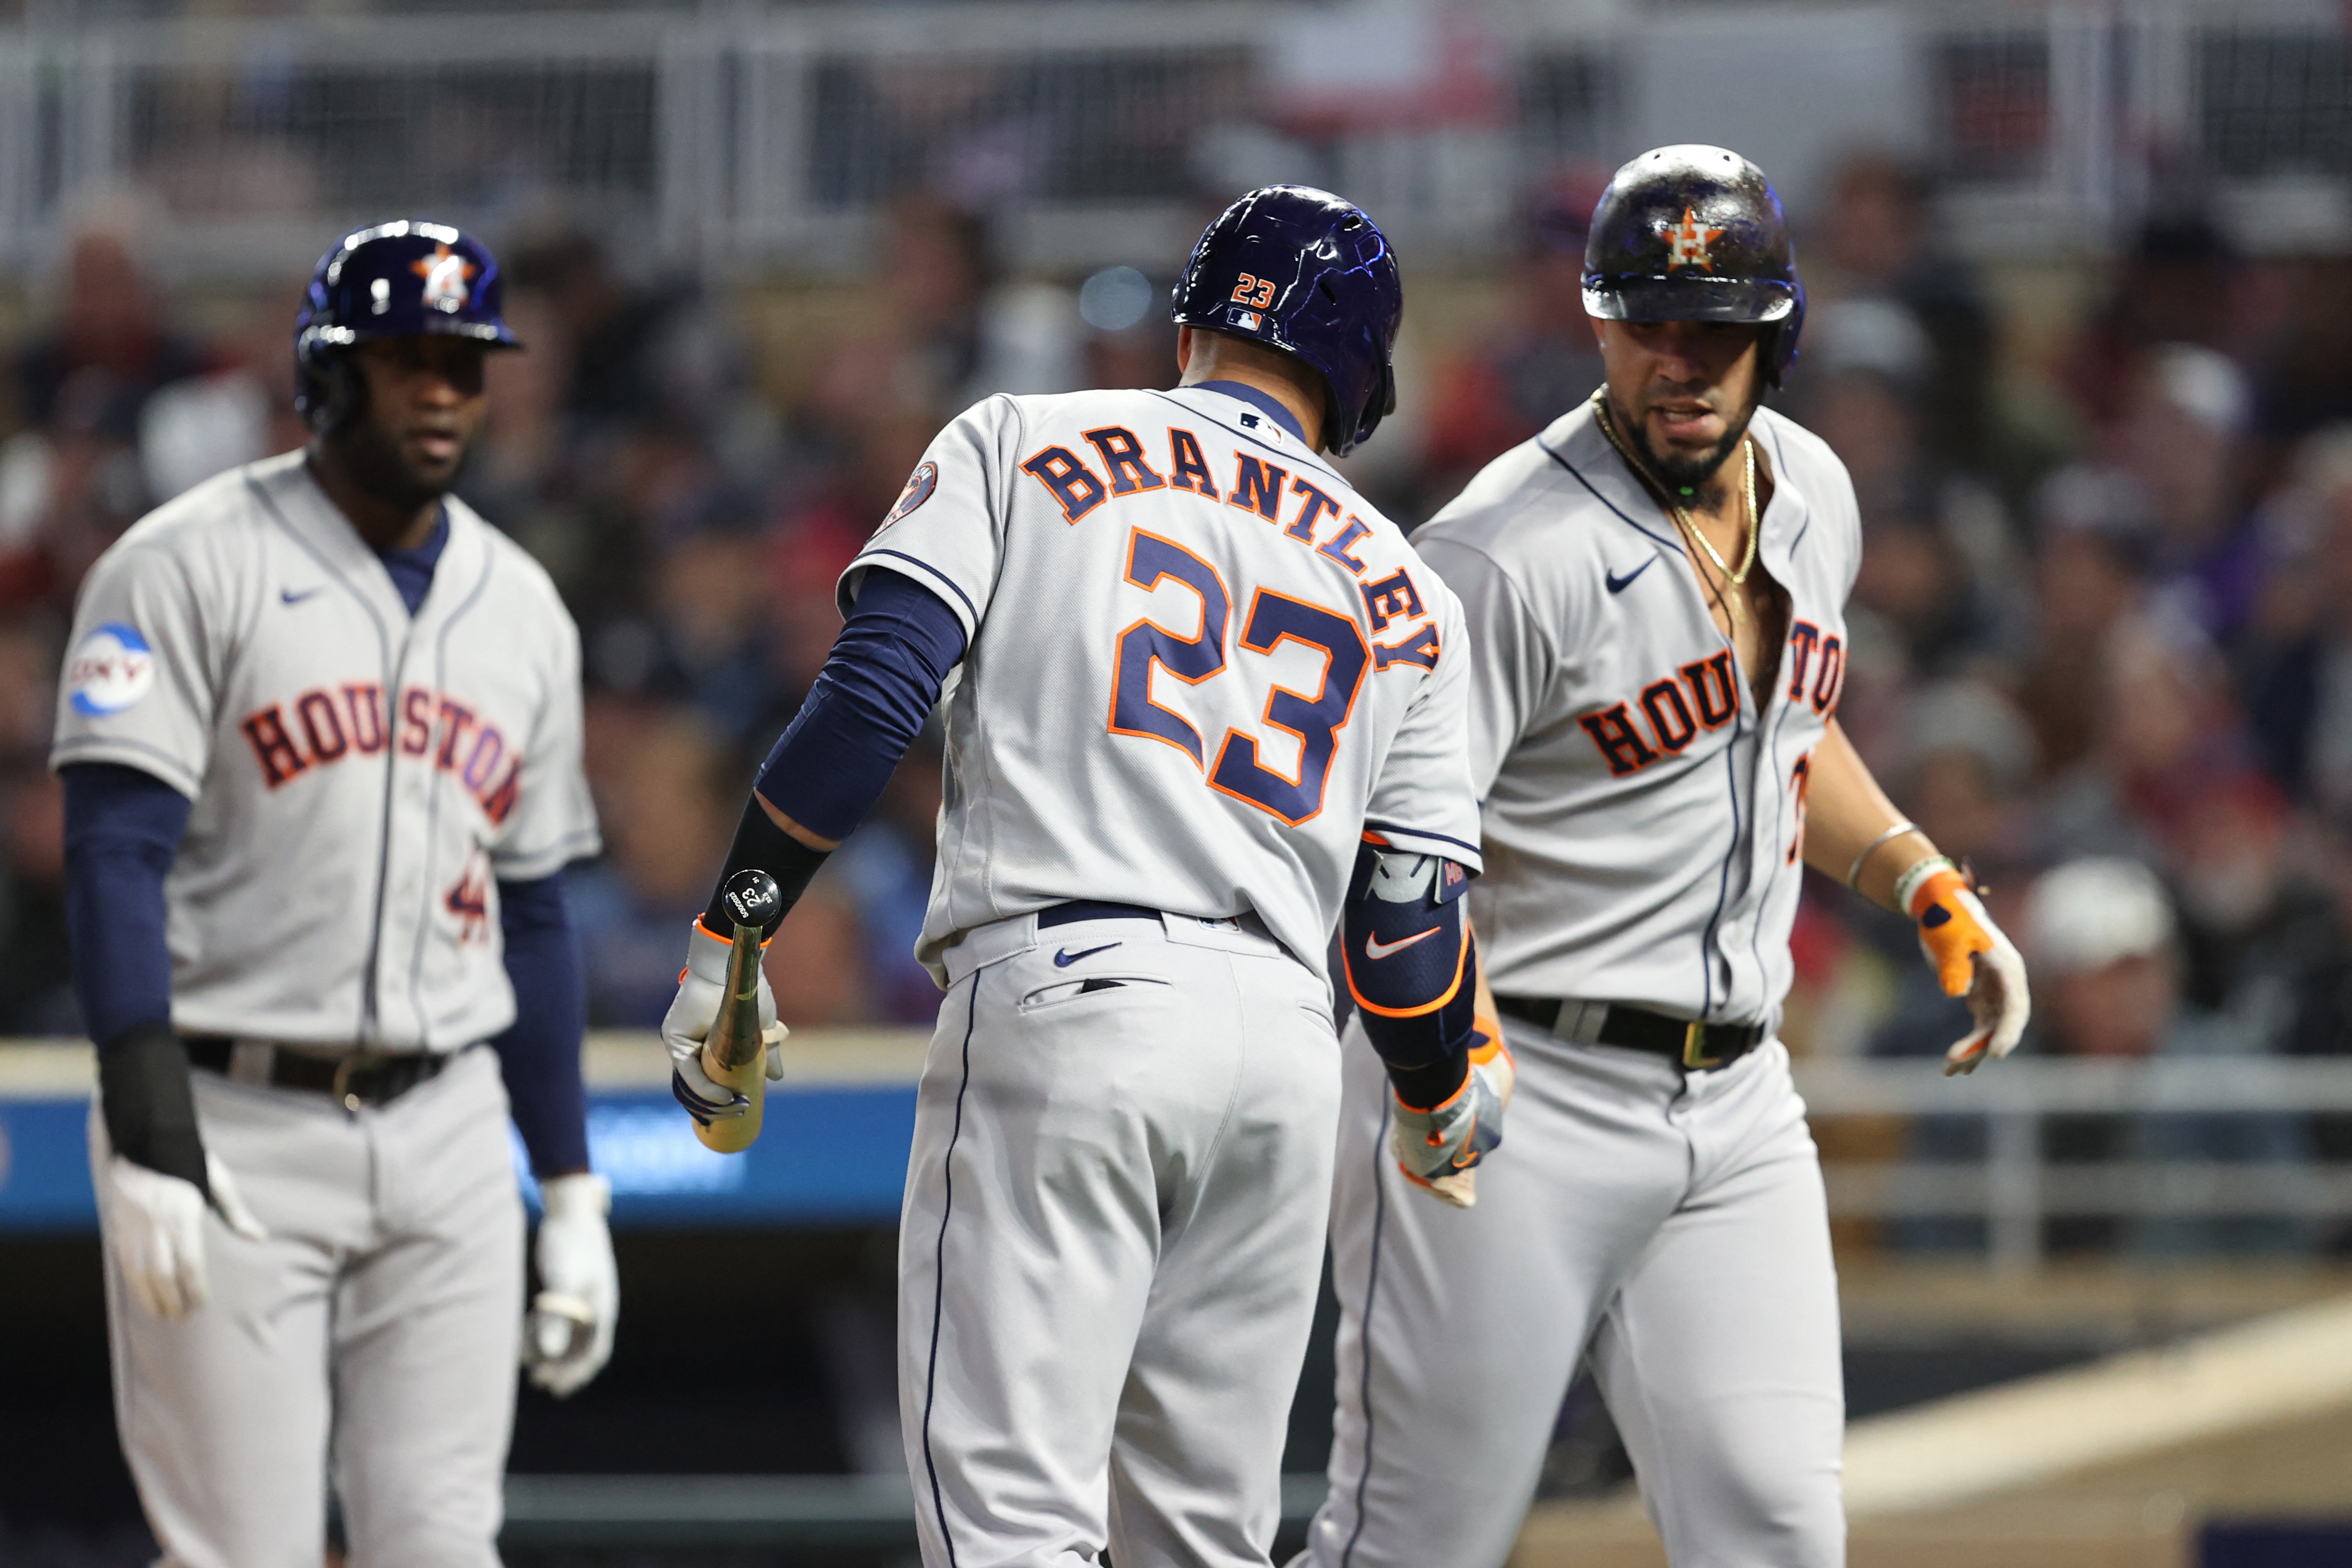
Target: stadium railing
[[857, 1087], [727, 140]]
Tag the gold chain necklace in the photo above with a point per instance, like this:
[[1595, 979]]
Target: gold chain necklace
[[1732, 602]]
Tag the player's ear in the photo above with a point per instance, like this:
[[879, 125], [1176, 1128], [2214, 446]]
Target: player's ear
[[1183, 352]]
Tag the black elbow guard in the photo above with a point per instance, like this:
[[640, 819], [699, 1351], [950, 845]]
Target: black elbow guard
[[1409, 960]]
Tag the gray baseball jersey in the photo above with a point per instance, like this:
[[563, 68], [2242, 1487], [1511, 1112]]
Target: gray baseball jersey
[[1643, 818], [1200, 666], [361, 778]]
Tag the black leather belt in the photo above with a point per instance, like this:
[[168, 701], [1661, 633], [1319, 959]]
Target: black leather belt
[[1091, 909], [1692, 1044], [361, 1078]]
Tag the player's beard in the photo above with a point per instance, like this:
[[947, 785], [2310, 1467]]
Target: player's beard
[[372, 456], [1683, 473]]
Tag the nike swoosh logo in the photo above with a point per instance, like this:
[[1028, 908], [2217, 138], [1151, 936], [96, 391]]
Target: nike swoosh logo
[[286, 596], [1375, 949], [1616, 584], [1064, 959]]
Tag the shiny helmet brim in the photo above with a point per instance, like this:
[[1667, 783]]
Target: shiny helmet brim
[[1680, 297]]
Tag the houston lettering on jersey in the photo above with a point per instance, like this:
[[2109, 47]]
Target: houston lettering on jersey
[[1259, 485], [329, 723], [1673, 713]]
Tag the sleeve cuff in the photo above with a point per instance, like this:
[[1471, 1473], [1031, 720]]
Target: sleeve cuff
[[948, 591], [1462, 852], [151, 760], [529, 866]]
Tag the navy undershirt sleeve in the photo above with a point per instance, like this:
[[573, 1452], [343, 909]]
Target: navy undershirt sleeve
[[122, 832], [539, 1055], [877, 687]]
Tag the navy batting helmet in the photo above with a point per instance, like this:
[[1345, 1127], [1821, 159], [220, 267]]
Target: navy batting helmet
[[1695, 234], [1298, 269], [400, 280]]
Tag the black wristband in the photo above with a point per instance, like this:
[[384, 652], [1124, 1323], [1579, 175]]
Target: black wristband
[[760, 845], [150, 1108], [1432, 1084]]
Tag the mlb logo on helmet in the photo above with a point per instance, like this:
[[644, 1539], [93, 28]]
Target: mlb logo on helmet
[[111, 670], [1247, 321]]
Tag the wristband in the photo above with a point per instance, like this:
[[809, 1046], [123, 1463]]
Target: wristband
[[1854, 872], [760, 845], [1908, 883], [149, 1105]]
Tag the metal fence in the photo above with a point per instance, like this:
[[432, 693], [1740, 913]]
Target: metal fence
[[2015, 1187], [732, 141]]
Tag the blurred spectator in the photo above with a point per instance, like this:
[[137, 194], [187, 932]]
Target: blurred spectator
[[1966, 764], [2298, 657], [2184, 410], [636, 351], [1936, 547], [36, 994], [522, 474], [72, 479], [1538, 363], [109, 343], [1878, 240], [1129, 340], [2100, 934], [2093, 552], [2261, 939], [668, 796], [2178, 285], [965, 331], [2165, 737], [2300, 385], [1963, 769]]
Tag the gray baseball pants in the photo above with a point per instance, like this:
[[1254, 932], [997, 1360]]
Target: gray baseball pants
[[1672, 1229], [1113, 1230], [380, 1322]]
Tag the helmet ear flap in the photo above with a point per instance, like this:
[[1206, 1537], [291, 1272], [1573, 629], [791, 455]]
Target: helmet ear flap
[[328, 389]]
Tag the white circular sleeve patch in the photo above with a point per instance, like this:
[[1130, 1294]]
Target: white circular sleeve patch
[[110, 669]]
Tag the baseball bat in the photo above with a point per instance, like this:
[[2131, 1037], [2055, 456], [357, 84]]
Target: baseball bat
[[735, 1055]]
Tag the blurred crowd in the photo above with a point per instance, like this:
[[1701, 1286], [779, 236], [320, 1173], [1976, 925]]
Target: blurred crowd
[[2091, 651]]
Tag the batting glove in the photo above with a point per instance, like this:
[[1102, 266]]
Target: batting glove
[[568, 1336], [155, 1224], [701, 985], [1971, 958], [1439, 1149]]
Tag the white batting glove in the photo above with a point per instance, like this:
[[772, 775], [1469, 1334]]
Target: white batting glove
[[158, 1231], [1440, 1149], [568, 1336], [702, 986], [1971, 958]]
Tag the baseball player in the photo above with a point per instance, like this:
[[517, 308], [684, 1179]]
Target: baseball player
[[1655, 590], [321, 738], [1202, 704]]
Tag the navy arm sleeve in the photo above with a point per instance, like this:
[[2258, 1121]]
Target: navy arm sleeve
[[122, 832], [539, 1055], [878, 685]]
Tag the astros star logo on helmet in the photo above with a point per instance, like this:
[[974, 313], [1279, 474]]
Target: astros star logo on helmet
[[446, 274], [1686, 242]]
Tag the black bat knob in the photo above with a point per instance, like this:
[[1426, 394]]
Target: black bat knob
[[753, 898]]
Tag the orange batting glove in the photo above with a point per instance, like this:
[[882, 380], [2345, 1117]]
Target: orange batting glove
[[1971, 958]]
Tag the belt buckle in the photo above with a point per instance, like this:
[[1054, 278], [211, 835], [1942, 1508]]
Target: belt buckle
[[346, 1065], [1694, 1041]]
